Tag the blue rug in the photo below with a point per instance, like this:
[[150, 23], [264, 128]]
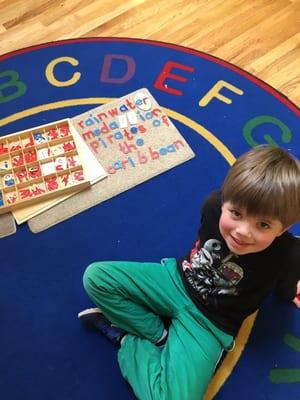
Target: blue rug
[[221, 111]]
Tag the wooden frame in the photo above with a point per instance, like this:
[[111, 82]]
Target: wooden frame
[[39, 163]]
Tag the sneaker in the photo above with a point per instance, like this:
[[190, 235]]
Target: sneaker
[[93, 318], [87, 316]]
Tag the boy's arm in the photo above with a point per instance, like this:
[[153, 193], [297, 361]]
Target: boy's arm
[[297, 298], [289, 285]]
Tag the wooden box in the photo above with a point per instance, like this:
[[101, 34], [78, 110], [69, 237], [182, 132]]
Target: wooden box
[[39, 163]]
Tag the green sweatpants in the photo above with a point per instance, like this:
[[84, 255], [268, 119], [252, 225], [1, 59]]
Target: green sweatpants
[[135, 296]]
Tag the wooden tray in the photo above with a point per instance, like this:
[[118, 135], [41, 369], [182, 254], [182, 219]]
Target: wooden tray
[[39, 163]]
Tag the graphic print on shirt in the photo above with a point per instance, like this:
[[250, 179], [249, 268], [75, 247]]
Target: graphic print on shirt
[[210, 273]]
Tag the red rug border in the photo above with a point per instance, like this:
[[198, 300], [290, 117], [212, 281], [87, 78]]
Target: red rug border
[[281, 97]]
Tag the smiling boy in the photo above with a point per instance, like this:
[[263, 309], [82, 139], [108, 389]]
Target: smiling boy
[[242, 253], [258, 208]]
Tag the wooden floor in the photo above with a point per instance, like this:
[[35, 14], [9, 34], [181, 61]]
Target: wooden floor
[[260, 36]]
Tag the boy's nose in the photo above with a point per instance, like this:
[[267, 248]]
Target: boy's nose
[[244, 230]]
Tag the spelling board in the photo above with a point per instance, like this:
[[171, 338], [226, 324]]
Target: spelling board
[[133, 139], [39, 163]]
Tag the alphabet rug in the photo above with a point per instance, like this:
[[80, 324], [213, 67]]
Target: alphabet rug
[[220, 111]]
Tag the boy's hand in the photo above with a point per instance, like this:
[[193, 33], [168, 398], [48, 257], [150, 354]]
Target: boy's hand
[[297, 297]]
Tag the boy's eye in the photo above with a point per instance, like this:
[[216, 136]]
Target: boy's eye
[[235, 213], [264, 225]]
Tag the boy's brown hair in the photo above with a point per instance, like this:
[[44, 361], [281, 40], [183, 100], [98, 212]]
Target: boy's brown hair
[[265, 181]]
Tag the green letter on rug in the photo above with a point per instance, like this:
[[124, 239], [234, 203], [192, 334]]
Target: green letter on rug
[[266, 119], [287, 375], [12, 82]]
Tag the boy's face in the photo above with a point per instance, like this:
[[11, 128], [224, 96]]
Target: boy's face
[[246, 234]]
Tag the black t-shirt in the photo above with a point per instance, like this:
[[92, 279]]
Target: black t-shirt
[[227, 288]]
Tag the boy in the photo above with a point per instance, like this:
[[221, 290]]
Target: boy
[[242, 253]]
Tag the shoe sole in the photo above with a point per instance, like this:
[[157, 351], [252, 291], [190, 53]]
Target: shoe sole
[[89, 311]]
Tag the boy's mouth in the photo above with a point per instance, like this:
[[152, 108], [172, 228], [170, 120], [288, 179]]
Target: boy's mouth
[[239, 242]]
